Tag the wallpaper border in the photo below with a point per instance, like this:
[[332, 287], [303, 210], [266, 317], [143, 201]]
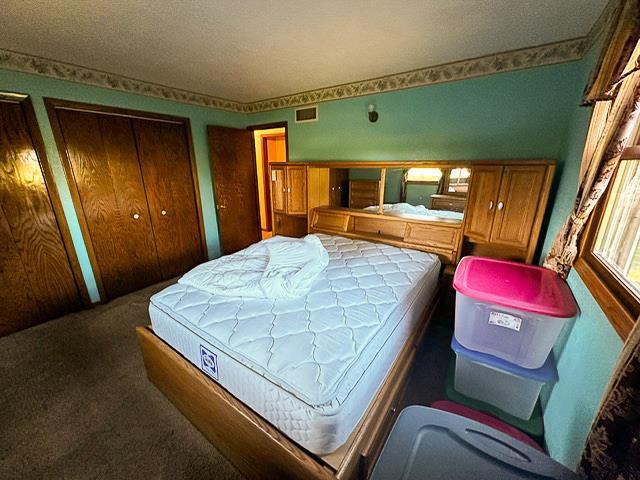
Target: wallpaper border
[[549, 54]]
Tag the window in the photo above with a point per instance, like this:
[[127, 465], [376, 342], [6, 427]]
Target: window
[[425, 175], [459, 180], [609, 261], [617, 243]]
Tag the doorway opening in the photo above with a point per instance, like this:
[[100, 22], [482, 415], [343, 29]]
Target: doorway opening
[[270, 144]]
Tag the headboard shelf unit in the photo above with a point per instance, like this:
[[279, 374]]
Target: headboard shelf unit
[[440, 237], [502, 205]]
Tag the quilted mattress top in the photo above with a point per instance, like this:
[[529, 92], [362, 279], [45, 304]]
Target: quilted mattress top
[[310, 345]]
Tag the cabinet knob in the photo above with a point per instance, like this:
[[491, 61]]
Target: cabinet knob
[[500, 205], [288, 190], [490, 204], [136, 216], [163, 212]]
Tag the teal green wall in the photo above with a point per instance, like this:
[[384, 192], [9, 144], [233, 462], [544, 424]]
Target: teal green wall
[[421, 194], [515, 114], [589, 346], [38, 87]]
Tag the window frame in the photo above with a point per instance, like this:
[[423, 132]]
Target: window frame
[[618, 302]]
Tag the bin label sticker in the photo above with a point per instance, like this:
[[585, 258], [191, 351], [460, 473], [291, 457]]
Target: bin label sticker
[[505, 320]]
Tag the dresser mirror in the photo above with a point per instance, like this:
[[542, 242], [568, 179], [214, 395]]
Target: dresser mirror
[[422, 192], [426, 192]]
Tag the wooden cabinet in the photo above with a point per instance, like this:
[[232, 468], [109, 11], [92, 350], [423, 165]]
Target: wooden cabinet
[[296, 190], [506, 205], [134, 187], [279, 189], [289, 199], [482, 201]]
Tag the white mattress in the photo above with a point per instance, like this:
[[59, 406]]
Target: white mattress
[[311, 365]]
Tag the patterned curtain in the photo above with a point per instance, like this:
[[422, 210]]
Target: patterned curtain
[[624, 27], [598, 166], [612, 451]]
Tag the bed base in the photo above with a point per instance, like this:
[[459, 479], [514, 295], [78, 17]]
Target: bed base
[[257, 448]]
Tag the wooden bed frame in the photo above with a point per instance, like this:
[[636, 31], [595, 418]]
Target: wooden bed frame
[[257, 448]]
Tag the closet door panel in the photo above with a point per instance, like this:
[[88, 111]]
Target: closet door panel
[[36, 280], [166, 168], [518, 204], [103, 157]]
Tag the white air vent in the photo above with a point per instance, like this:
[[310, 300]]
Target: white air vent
[[307, 114]]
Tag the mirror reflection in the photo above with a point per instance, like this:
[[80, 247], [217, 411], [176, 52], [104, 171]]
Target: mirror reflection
[[429, 193], [364, 188]]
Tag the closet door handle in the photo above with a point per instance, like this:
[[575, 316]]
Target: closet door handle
[[490, 204], [500, 205], [136, 216], [163, 212]]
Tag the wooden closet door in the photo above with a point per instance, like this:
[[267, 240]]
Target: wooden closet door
[[36, 279], [517, 205], [166, 168], [481, 205], [296, 190], [103, 159]]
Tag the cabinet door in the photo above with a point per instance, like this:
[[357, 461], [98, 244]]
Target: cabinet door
[[279, 189], [103, 159], [36, 279], [517, 205], [296, 190], [481, 205], [166, 168]]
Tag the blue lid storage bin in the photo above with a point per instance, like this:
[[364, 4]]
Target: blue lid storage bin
[[507, 386], [431, 444]]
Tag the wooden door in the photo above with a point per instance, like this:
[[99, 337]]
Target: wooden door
[[481, 205], [296, 190], [163, 152], [279, 189], [233, 168], [517, 204], [103, 162], [36, 278]]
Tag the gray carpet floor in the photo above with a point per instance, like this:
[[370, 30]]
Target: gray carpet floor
[[75, 402]]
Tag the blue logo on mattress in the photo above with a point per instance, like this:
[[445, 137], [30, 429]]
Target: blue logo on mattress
[[209, 362]]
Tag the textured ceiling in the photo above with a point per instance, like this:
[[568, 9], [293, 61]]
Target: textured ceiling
[[248, 50]]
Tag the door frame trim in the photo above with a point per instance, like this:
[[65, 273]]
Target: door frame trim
[[267, 126], [52, 190], [53, 105]]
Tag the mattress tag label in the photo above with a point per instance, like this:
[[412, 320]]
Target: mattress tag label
[[209, 362], [505, 320]]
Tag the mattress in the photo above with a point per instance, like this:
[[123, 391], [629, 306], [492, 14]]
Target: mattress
[[309, 365]]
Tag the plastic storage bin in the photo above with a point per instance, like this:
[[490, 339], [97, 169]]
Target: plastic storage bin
[[511, 388], [431, 444], [510, 310]]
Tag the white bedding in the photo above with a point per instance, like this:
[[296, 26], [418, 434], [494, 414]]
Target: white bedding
[[400, 209], [279, 267], [312, 365]]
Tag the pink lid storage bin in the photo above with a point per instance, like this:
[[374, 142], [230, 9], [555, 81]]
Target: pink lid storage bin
[[510, 310]]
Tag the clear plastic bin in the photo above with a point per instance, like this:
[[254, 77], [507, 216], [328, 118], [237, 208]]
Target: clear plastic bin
[[511, 388], [510, 310]]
